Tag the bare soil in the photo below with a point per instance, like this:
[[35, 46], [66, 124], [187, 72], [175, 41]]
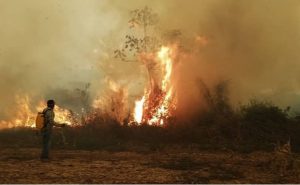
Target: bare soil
[[173, 165]]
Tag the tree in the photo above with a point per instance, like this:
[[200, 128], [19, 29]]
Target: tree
[[144, 20], [143, 46]]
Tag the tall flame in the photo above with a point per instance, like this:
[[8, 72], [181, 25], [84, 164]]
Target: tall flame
[[164, 56], [157, 103], [138, 110]]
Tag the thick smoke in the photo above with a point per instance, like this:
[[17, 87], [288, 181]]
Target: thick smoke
[[253, 44], [50, 48]]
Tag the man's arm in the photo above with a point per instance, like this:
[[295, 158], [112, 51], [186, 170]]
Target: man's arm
[[50, 120], [59, 124]]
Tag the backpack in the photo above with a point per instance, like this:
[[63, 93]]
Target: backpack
[[40, 120]]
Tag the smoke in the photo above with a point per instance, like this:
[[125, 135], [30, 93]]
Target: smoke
[[50, 48], [253, 44]]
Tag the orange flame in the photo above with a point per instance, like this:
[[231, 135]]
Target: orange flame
[[63, 116], [155, 106], [25, 117], [138, 110]]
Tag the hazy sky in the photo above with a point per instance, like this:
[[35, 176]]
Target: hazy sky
[[62, 44]]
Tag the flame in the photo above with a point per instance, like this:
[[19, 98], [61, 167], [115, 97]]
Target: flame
[[111, 102], [25, 117], [138, 110], [62, 116], [164, 56], [158, 100]]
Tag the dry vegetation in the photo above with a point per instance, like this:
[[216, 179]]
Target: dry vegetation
[[256, 144], [170, 165]]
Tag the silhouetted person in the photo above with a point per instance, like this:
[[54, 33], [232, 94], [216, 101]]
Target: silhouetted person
[[47, 128]]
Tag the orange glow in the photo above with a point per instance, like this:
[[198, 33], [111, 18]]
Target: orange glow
[[62, 116], [25, 116], [138, 110], [157, 103]]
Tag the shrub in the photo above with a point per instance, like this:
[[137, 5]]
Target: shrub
[[257, 111], [263, 125]]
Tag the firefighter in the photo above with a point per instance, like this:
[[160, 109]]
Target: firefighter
[[46, 131]]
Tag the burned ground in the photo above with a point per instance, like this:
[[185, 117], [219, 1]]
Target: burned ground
[[169, 165]]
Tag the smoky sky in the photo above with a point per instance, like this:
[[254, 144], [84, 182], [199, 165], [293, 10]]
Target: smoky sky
[[52, 46]]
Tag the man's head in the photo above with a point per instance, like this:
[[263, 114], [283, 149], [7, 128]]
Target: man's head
[[51, 104]]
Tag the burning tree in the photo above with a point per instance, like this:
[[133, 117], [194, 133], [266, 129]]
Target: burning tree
[[158, 101]]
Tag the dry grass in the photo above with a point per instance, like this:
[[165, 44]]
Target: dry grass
[[169, 165]]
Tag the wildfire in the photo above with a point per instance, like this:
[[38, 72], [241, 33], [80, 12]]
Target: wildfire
[[154, 108], [25, 116], [138, 110], [63, 116], [158, 101]]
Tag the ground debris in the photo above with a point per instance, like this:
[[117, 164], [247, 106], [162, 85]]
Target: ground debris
[[165, 166]]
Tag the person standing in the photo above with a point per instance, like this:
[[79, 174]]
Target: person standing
[[46, 131]]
